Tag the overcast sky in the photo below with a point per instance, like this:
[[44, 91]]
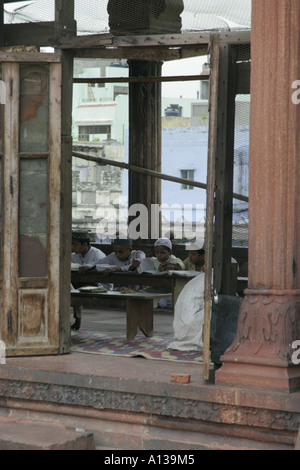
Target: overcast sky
[[191, 66]]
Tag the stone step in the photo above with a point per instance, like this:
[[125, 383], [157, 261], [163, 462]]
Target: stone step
[[118, 436], [29, 435], [40, 435]]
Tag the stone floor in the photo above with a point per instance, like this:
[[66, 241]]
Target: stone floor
[[131, 403], [114, 321]]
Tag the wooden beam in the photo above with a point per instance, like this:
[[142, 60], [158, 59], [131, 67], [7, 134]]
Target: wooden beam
[[143, 53], [181, 78], [88, 41], [145, 171], [157, 40], [45, 34], [28, 57], [138, 169], [182, 39]]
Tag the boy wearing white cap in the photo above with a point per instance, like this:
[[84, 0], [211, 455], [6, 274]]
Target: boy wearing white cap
[[83, 253], [196, 258], [164, 260]]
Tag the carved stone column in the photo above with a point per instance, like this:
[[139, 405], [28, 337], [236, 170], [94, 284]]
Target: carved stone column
[[269, 320]]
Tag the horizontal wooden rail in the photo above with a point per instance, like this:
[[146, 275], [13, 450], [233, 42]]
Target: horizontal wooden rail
[[155, 174]]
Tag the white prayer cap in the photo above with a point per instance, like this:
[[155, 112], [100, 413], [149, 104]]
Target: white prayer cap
[[164, 242], [198, 244]]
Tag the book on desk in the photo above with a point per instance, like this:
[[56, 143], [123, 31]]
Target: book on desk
[[146, 266]]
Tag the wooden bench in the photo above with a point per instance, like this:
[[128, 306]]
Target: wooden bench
[[139, 308]]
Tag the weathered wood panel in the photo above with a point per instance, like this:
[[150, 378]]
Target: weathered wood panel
[[30, 295]]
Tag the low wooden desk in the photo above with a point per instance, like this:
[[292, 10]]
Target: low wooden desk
[[175, 282], [139, 308]]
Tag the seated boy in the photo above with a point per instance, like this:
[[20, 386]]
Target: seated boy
[[123, 258], [196, 258], [83, 253], [164, 260]]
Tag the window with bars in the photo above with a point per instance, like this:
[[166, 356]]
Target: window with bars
[[88, 132], [187, 174]]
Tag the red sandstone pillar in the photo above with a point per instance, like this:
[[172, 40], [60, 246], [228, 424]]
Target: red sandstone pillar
[[269, 320]]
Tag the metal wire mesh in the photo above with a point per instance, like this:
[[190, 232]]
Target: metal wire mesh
[[241, 161], [92, 15]]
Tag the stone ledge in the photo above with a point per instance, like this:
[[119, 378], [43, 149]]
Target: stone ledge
[[29, 435]]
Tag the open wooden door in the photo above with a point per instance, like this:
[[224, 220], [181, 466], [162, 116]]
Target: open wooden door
[[30, 160], [229, 77]]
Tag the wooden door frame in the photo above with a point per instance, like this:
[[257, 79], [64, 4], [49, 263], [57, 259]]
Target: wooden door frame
[[13, 288]]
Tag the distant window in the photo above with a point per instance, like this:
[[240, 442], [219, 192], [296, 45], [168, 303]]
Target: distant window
[[204, 89], [187, 174], [88, 133]]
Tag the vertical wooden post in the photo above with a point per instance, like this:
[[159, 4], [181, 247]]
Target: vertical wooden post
[[1, 23], [65, 23], [145, 136], [65, 26], [210, 199], [297, 445], [144, 16], [224, 170]]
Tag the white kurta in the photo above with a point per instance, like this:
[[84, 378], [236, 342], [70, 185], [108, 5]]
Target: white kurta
[[125, 264], [93, 256], [189, 316]]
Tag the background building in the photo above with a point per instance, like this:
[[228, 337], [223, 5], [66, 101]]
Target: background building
[[100, 127]]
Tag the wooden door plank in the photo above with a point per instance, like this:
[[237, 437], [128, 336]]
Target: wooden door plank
[[54, 198], [9, 321]]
